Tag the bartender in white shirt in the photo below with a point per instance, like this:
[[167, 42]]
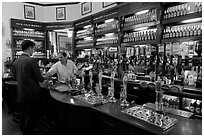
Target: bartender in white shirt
[[65, 68]]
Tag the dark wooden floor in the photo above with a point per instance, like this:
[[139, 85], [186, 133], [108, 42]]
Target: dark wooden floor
[[9, 126]]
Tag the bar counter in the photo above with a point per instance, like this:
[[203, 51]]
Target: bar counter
[[120, 123], [73, 116]]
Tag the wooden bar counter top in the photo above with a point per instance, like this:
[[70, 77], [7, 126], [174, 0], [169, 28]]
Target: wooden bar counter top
[[116, 122]]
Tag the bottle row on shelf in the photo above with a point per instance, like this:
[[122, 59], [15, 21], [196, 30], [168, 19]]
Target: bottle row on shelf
[[186, 30], [38, 54], [107, 41], [171, 101], [192, 105], [24, 33], [192, 77], [139, 50], [187, 48], [84, 45], [139, 17], [107, 26], [85, 32], [38, 44], [183, 9], [105, 15], [143, 35]]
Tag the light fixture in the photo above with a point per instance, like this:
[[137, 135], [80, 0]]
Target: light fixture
[[141, 12], [143, 28], [109, 34], [85, 27], [28, 29], [109, 20], [88, 38], [87, 49], [192, 20], [61, 30]]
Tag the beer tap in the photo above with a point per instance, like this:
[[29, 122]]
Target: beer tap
[[159, 97], [123, 93], [100, 83], [82, 82], [112, 98], [91, 82]]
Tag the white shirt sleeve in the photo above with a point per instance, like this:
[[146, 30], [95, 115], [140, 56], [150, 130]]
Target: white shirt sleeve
[[53, 69]]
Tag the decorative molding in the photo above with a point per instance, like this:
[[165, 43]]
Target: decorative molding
[[54, 4]]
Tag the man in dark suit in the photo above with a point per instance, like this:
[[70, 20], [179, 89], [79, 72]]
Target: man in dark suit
[[27, 73]]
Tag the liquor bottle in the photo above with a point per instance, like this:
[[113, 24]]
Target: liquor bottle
[[197, 108], [201, 108], [175, 11], [182, 77], [178, 11], [192, 104], [170, 102], [177, 103]]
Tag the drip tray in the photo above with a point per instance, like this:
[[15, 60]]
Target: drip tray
[[160, 121]]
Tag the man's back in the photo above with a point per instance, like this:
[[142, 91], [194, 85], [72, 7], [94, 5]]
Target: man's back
[[27, 74]]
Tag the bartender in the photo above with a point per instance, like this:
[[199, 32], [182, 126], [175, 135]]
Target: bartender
[[65, 68]]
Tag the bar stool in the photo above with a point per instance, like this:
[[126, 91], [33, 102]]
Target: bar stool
[[11, 93]]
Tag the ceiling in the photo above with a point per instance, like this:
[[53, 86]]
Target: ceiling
[[52, 3]]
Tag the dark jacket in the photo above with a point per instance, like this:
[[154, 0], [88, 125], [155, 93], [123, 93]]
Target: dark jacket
[[27, 73]]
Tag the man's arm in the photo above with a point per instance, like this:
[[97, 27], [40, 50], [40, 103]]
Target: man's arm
[[13, 71], [51, 71], [36, 70]]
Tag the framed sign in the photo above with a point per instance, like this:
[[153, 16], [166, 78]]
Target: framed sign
[[29, 12], [106, 4], [60, 13], [86, 8]]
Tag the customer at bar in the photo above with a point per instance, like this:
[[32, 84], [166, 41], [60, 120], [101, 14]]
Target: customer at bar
[[65, 68], [27, 73]]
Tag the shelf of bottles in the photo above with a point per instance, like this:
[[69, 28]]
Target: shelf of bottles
[[191, 52], [140, 58], [182, 10], [182, 39], [109, 26], [142, 17], [107, 39], [140, 36], [171, 101], [39, 50], [140, 27], [84, 36], [21, 33], [190, 31], [192, 105], [106, 31]]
